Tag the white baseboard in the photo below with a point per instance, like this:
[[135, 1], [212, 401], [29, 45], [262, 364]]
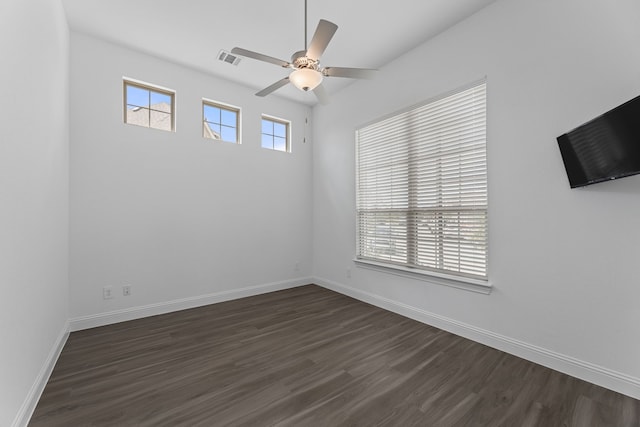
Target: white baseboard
[[586, 371], [116, 316], [601, 376], [31, 401]]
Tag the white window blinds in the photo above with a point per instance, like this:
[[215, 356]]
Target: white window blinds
[[422, 187]]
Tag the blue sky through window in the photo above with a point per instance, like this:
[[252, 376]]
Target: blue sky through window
[[145, 98], [279, 144], [228, 118], [137, 97], [160, 98], [221, 121], [267, 127], [211, 114], [274, 135], [280, 130]]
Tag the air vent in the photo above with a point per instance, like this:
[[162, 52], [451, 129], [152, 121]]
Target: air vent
[[227, 57]]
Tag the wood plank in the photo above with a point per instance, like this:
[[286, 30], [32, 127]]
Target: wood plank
[[307, 357]]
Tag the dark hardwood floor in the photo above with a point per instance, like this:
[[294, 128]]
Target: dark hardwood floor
[[307, 357]]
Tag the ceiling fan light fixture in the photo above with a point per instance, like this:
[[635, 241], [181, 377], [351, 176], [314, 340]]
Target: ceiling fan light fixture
[[305, 78]]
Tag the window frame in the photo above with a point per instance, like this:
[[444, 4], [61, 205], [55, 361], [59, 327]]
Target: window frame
[[225, 107], [286, 123], [410, 266], [151, 88]]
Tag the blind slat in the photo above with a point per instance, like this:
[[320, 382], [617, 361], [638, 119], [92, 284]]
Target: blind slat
[[421, 191]]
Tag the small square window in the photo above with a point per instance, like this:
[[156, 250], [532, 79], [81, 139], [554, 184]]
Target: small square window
[[148, 106], [275, 134], [220, 122]]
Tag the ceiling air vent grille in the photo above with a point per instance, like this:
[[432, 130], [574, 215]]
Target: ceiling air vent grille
[[227, 57]]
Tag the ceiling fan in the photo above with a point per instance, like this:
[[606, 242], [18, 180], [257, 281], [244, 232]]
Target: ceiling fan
[[307, 73]]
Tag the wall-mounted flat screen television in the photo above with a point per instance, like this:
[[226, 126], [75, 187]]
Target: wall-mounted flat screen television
[[605, 148]]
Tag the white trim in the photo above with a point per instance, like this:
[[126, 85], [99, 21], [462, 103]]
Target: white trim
[[604, 377], [31, 401], [150, 85], [116, 316], [459, 282]]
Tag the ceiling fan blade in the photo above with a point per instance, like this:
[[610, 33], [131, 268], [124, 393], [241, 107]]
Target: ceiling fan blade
[[352, 73], [260, 57], [277, 85], [321, 94], [321, 38]]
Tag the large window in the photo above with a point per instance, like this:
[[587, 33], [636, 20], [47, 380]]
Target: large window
[[422, 187], [148, 106], [220, 121], [275, 134]]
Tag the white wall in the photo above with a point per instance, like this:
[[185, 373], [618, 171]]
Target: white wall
[[563, 263], [33, 197], [175, 215]]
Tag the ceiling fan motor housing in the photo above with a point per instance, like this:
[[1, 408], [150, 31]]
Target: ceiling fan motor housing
[[300, 60]]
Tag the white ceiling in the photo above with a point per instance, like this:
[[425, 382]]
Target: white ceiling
[[192, 32]]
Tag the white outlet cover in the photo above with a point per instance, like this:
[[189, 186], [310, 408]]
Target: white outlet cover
[[107, 292]]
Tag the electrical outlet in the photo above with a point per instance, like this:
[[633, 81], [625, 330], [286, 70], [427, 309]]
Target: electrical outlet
[[107, 292], [296, 267], [126, 290], [348, 273]]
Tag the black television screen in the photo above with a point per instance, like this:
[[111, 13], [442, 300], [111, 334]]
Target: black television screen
[[607, 147]]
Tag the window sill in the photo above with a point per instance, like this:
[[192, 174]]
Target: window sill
[[464, 283]]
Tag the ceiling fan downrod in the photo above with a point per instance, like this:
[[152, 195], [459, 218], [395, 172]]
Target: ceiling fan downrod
[[305, 25]]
